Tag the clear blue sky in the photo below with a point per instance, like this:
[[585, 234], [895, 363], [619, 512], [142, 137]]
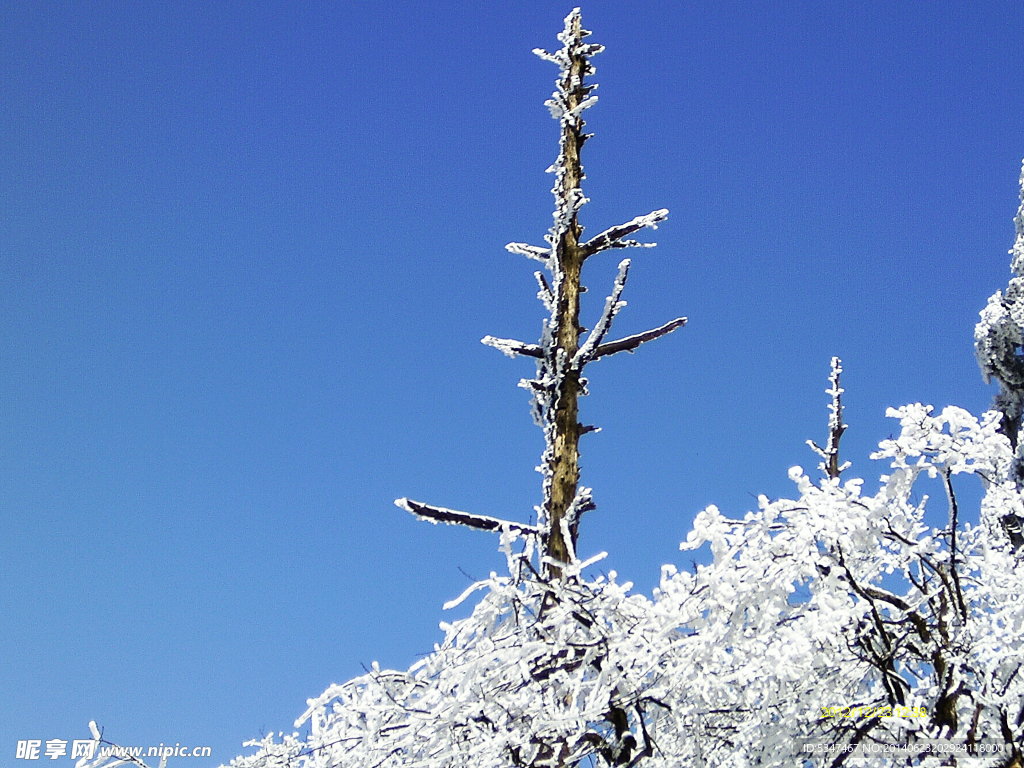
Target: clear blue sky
[[248, 250]]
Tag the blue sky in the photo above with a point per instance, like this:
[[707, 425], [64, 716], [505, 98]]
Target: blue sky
[[248, 251]]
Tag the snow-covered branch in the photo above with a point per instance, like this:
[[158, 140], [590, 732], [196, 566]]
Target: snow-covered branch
[[544, 293], [612, 306], [613, 237], [629, 343], [511, 347], [530, 251]]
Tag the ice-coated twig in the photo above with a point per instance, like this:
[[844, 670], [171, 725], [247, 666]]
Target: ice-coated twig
[[830, 453], [544, 293], [560, 58], [612, 237], [511, 347], [572, 52], [530, 251], [612, 306], [582, 502], [629, 343], [453, 517]]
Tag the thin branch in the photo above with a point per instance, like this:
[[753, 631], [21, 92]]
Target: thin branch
[[953, 523], [888, 597], [612, 305], [452, 517], [583, 502], [612, 237], [630, 343], [544, 293], [530, 251], [511, 347]]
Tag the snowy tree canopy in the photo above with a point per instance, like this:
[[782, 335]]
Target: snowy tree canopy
[[829, 603]]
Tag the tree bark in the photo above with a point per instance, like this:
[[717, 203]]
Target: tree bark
[[565, 469]]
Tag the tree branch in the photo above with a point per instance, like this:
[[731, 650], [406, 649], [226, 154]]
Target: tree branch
[[545, 293], [612, 305], [612, 237], [530, 251], [630, 343], [437, 515], [511, 347], [953, 523]]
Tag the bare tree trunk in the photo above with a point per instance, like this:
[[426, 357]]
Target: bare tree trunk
[[565, 465]]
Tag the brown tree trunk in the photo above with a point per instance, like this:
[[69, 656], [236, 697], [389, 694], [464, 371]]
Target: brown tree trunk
[[565, 466]]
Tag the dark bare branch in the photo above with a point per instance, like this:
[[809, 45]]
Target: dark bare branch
[[453, 517], [612, 237], [630, 343], [953, 524]]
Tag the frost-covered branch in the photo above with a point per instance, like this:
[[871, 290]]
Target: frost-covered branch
[[612, 237], [511, 347], [583, 502], [612, 306], [530, 251], [629, 343], [544, 292]]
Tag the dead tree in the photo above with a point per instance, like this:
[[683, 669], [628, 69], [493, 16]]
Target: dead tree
[[560, 355], [830, 453]]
